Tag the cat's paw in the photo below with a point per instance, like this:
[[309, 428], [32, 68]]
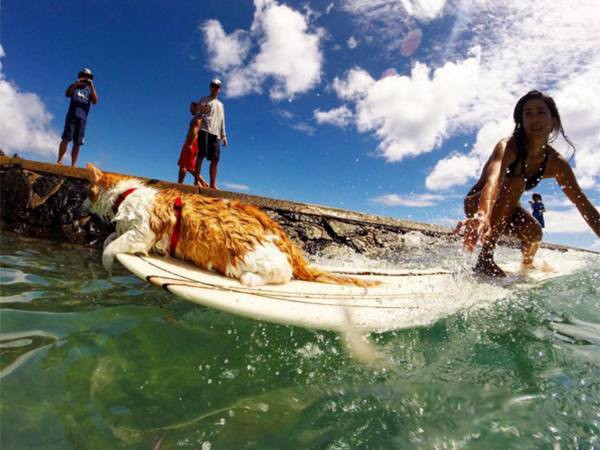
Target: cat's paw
[[251, 279], [111, 237], [107, 262]]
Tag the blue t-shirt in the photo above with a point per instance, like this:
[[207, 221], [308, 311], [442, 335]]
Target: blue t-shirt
[[538, 208], [80, 103]]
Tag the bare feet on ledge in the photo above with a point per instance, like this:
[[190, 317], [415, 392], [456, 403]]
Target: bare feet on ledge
[[201, 183], [487, 266]]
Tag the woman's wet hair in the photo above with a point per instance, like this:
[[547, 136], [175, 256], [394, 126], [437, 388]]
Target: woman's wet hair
[[536, 196], [519, 131]]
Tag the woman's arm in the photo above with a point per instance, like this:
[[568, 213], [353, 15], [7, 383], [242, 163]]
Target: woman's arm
[[568, 183], [493, 176], [479, 226]]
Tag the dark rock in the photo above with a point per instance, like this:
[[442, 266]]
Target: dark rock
[[69, 201], [309, 231], [343, 229], [45, 186], [15, 195]]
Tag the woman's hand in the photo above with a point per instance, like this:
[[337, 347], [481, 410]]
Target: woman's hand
[[476, 228]]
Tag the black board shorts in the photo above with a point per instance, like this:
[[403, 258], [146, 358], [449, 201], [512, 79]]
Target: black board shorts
[[74, 130], [208, 146]]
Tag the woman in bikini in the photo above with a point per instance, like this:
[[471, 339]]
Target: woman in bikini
[[518, 164]]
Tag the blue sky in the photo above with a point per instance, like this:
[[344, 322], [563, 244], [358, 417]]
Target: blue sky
[[387, 107]]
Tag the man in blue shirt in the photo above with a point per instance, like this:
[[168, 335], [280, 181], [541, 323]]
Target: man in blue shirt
[[82, 94]]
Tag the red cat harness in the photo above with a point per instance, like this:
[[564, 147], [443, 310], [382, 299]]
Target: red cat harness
[[177, 206], [122, 196]]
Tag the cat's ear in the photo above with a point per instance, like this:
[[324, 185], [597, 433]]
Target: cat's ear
[[95, 173]]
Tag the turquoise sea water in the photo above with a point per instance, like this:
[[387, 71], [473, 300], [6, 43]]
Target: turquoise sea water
[[91, 362]]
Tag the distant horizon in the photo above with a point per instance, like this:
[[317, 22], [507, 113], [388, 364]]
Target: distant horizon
[[381, 107]]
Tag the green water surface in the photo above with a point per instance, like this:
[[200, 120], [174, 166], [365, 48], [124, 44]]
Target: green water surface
[[91, 362]]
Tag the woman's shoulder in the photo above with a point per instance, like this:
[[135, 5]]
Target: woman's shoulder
[[505, 148], [505, 143], [555, 154], [555, 158], [557, 163]]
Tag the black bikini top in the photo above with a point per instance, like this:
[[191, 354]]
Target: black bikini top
[[532, 181]]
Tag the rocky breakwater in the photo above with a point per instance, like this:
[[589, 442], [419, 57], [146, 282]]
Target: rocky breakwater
[[46, 201]]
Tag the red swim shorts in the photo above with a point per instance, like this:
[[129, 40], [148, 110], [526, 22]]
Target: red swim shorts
[[187, 158]]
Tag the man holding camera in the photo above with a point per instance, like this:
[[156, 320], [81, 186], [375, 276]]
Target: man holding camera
[[82, 94]]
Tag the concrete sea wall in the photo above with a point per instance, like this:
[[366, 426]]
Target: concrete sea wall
[[46, 201]]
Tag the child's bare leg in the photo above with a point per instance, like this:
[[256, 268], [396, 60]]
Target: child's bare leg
[[182, 172]]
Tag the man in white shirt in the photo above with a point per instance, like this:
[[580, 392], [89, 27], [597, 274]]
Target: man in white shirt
[[208, 125]]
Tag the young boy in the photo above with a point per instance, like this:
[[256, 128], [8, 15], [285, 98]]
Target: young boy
[[537, 208], [188, 155]]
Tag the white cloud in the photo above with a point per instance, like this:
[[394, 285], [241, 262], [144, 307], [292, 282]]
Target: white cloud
[[236, 186], [567, 221], [411, 200], [557, 201], [412, 114], [389, 23], [289, 57], [357, 83], [303, 127], [579, 103], [387, 11], [447, 221], [338, 116], [285, 114], [352, 42], [225, 51], [456, 169], [24, 121]]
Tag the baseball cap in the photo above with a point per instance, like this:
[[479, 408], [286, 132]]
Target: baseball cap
[[86, 72], [215, 82]]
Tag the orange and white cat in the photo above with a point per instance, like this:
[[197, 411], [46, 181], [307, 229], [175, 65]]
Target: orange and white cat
[[226, 236]]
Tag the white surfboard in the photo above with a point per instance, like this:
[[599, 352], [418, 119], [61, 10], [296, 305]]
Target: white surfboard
[[406, 298]]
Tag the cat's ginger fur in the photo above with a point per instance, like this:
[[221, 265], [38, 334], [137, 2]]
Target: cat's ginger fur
[[227, 236]]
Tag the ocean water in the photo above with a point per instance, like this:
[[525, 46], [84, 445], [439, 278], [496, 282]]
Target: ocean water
[[91, 362]]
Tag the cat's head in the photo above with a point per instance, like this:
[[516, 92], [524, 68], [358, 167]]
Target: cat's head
[[101, 192]]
